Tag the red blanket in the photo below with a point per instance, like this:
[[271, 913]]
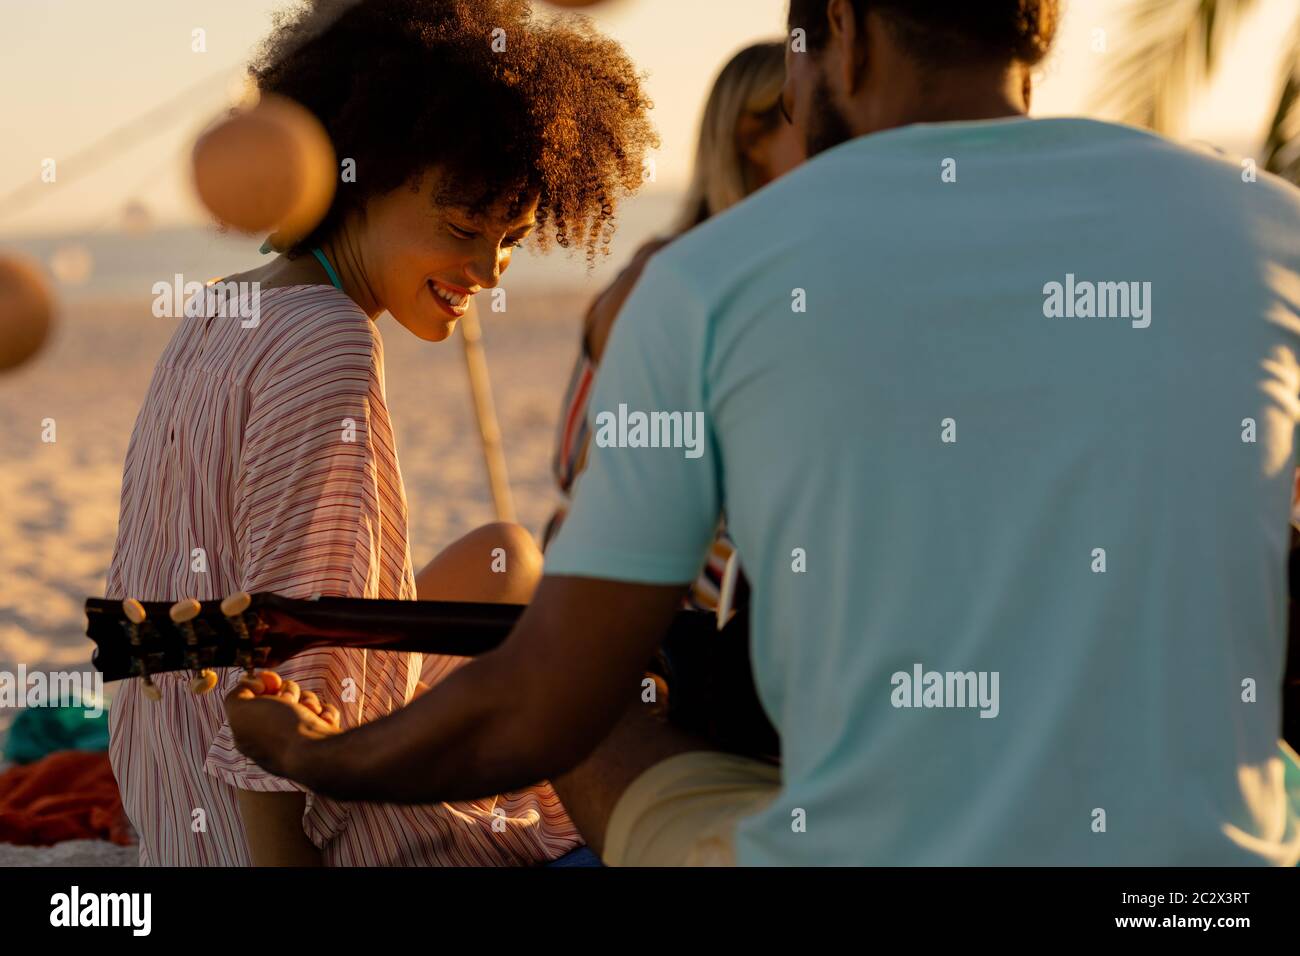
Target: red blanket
[[69, 795]]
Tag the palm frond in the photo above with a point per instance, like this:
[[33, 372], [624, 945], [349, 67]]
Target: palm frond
[[1172, 47], [1282, 145]]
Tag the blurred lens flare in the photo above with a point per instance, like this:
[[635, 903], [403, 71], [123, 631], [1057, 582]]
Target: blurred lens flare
[[72, 264], [26, 310], [267, 168], [136, 218]]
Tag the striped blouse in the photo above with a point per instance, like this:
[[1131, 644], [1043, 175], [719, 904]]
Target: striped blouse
[[263, 460]]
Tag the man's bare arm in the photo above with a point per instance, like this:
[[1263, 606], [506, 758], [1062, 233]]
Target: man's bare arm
[[529, 710]]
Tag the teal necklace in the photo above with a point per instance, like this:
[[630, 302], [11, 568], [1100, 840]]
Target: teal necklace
[[320, 257], [329, 269]]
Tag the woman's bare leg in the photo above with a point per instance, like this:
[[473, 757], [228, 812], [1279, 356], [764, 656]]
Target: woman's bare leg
[[498, 563], [273, 828]]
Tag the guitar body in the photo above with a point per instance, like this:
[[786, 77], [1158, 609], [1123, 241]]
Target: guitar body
[[711, 690]]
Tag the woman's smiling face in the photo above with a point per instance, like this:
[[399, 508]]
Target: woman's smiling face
[[423, 261]]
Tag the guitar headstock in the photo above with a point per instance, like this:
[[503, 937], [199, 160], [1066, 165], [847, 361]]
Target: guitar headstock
[[139, 638]]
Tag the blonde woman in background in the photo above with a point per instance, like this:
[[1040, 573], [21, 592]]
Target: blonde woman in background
[[743, 145]]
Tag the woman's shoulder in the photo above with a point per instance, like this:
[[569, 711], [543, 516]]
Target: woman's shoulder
[[303, 310], [314, 330]]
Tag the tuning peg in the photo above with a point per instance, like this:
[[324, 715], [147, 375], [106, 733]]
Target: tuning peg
[[233, 607], [203, 683], [236, 604], [134, 611], [136, 616], [182, 612]]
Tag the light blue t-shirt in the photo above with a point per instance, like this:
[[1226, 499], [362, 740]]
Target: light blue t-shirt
[[1001, 415]]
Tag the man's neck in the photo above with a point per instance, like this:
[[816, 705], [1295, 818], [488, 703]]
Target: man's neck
[[942, 98]]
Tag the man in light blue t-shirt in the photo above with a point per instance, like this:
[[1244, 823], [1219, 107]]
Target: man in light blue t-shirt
[[1001, 414]]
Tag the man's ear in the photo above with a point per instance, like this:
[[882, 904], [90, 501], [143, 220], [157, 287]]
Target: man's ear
[[848, 43], [1027, 87]]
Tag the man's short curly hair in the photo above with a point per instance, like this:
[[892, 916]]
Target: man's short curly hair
[[943, 32], [507, 105]]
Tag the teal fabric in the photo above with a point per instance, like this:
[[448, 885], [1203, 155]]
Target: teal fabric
[[329, 269], [1120, 733], [39, 731]]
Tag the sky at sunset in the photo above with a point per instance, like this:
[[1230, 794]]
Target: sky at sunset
[[73, 71]]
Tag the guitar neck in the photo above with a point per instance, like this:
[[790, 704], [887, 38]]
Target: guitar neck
[[271, 629], [450, 628]]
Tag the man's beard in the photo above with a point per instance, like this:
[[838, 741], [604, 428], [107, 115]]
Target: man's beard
[[827, 126]]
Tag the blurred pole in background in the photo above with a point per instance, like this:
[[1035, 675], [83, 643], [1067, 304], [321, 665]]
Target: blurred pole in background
[[489, 431]]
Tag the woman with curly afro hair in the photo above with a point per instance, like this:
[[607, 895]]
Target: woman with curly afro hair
[[268, 450]]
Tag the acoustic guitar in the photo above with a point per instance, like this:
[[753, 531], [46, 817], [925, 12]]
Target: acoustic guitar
[[706, 668]]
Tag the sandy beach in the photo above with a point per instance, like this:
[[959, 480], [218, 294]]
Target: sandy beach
[[59, 500]]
